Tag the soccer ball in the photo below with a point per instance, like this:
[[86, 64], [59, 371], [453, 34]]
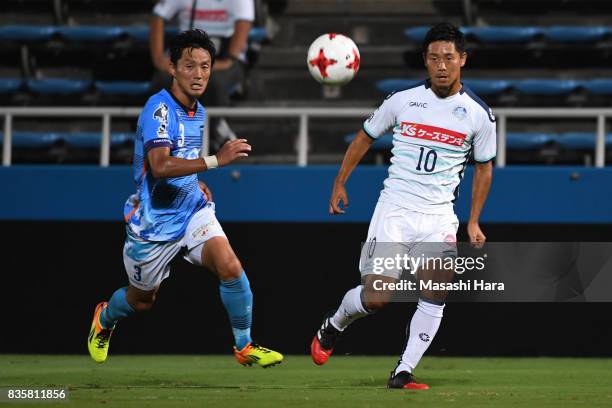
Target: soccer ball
[[333, 59]]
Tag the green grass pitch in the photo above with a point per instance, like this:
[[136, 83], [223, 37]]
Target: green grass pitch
[[351, 381]]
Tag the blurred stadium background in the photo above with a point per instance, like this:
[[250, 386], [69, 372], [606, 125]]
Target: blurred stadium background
[[74, 74]]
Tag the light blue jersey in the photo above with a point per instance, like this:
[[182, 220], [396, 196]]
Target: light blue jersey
[[161, 208]]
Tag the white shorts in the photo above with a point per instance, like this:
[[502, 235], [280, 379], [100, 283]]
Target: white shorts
[[396, 230], [147, 263]]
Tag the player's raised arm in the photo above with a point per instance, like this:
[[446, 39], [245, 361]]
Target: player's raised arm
[[355, 152], [164, 165], [483, 174]]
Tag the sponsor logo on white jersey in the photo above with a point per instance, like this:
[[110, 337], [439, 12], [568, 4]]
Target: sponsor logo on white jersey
[[460, 112], [418, 104]]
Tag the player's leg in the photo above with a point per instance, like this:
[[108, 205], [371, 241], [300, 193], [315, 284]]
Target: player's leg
[[426, 320], [146, 264], [237, 298], [357, 303], [125, 302], [234, 287], [420, 332], [334, 322], [364, 299], [208, 246]]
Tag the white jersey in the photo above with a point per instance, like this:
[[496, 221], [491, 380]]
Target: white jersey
[[432, 140], [216, 17]]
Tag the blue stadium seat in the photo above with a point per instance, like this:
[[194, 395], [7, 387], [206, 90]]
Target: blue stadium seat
[[577, 140], [546, 87], [123, 87], [385, 142], [505, 34], [527, 140], [387, 86], [486, 87], [573, 34], [82, 140], [518, 34], [258, 34], [417, 34], [8, 85], [96, 33], [92, 140], [171, 31], [141, 33], [120, 138], [58, 86], [27, 33], [91, 33], [32, 140], [137, 33], [581, 140], [599, 86]]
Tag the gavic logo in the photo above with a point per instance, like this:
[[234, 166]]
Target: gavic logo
[[433, 133], [418, 104]]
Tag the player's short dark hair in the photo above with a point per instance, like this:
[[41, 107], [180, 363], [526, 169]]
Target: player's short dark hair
[[190, 39], [445, 32]]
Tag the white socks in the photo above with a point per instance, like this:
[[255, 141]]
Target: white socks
[[350, 309], [423, 328]]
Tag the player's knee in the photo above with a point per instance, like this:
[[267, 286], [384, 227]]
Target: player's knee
[[375, 305], [141, 301], [434, 296], [231, 269], [143, 306], [144, 303]]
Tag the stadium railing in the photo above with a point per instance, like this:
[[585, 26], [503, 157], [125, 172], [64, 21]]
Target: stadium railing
[[303, 115]]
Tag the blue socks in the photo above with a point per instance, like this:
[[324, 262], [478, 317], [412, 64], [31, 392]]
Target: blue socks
[[117, 309], [237, 298]]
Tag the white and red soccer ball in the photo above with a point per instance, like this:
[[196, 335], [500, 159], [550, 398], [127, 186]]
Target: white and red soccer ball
[[333, 59]]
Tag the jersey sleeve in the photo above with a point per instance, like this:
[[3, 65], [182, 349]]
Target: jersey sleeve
[[244, 10], [381, 119], [167, 9], [485, 139], [158, 126]]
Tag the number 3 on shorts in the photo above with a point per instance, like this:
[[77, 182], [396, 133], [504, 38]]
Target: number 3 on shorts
[[138, 273]]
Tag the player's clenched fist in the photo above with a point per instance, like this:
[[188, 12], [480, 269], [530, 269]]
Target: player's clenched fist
[[477, 238], [233, 150], [338, 195]]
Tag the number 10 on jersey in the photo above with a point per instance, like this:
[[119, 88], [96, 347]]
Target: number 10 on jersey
[[429, 164]]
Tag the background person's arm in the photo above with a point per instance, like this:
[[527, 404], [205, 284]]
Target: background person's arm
[[160, 60], [237, 45]]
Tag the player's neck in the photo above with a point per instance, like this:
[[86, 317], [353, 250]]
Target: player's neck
[[446, 92], [187, 101]]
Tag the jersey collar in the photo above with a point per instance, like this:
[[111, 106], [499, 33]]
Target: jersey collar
[[448, 98], [189, 112]]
